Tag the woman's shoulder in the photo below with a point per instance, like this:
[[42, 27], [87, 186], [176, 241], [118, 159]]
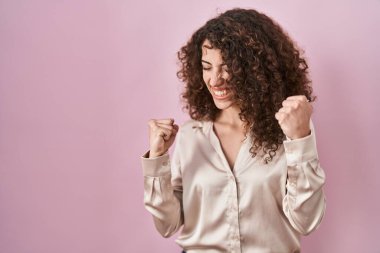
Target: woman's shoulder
[[191, 126]]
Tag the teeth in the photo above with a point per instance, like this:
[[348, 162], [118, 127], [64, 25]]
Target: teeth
[[220, 92]]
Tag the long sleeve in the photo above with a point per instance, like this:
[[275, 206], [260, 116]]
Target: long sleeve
[[304, 202], [163, 192]]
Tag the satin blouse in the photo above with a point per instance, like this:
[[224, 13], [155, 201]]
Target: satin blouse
[[254, 207]]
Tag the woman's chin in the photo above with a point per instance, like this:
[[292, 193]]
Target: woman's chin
[[223, 104]]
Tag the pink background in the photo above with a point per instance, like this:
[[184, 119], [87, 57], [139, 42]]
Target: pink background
[[80, 79]]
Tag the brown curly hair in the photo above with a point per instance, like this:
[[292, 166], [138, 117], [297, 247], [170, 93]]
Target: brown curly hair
[[264, 65]]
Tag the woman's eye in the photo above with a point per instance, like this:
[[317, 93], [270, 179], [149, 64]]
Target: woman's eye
[[206, 68]]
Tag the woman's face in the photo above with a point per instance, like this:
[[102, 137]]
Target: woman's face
[[215, 76]]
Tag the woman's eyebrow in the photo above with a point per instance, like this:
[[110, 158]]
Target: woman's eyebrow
[[206, 62], [222, 64]]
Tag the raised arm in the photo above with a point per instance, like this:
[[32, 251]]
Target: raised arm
[[304, 201], [162, 178]]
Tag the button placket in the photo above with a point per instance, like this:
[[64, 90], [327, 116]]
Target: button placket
[[233, 215]]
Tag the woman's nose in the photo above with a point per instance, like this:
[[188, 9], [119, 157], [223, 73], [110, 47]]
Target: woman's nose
[[216, 79]]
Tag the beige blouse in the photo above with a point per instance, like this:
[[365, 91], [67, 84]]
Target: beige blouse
[[254, 208]]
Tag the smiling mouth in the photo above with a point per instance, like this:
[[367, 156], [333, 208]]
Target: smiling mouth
[[220, 93]]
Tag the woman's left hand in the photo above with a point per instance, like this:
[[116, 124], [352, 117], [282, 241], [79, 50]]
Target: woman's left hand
[[294, 117]]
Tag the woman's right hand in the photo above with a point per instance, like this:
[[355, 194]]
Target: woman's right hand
[[162, 133]]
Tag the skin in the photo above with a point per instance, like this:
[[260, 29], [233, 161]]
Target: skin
[[228, 126], [162, 134], [293, 117]]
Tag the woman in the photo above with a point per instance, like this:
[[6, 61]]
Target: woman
[[245, 174]]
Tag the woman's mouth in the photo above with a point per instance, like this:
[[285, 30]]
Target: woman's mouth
[[220, 93]]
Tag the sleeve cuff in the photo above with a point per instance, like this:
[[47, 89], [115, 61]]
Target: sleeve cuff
[[155, 167], [301, 150]]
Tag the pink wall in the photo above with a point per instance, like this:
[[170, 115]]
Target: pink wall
[[80, 79]]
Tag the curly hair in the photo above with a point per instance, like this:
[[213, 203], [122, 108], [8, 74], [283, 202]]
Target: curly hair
[[264, 66]]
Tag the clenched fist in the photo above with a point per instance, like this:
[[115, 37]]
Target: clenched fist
[[162, 133], [294, 117]]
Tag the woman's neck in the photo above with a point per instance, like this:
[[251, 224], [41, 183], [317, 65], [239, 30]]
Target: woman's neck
[[230, 117]]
